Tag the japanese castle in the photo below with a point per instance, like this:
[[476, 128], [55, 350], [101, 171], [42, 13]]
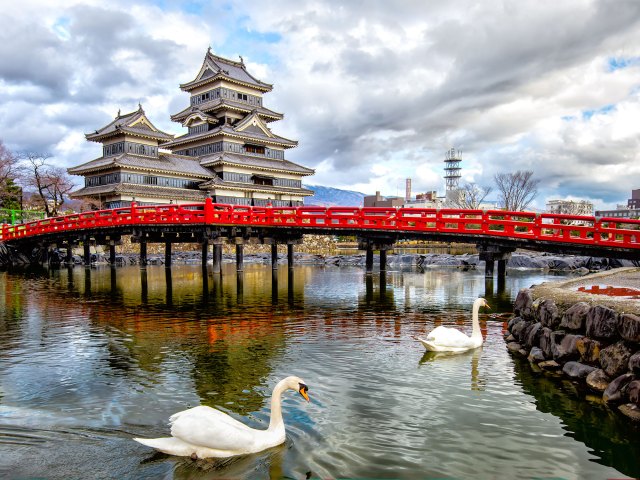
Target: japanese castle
[[228, 154]]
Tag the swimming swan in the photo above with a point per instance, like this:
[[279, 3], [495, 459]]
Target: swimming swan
[[205, 432], [443, 339]]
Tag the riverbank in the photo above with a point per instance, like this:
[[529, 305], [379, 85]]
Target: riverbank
[[586, 330]]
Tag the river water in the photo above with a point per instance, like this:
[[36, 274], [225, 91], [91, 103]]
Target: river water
[[93, 357]]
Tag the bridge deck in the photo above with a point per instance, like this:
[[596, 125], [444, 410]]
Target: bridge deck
[[548, 232]]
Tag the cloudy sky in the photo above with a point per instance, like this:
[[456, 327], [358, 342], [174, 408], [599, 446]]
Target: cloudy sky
[[374, 91]]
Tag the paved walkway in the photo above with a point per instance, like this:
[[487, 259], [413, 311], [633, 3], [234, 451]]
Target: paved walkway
[[566, 292]]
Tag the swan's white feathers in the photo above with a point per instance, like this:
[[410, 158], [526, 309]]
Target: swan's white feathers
[[443, 339], [211, 428], [449, 337], [209, 433]]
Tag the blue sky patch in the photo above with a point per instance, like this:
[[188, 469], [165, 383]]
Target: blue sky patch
[[618, 63], [587, 114]]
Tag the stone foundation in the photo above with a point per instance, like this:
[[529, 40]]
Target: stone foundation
[[593, 344]]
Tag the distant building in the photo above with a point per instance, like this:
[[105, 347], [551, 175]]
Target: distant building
[[570, 207], [379, 201], [631, 210], [229, 153], [426, 200], [634, 201]]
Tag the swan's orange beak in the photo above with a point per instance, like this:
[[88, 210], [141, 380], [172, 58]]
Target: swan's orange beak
[[303, 391]]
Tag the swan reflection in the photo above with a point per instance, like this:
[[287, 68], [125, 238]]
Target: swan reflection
[[478, 382]]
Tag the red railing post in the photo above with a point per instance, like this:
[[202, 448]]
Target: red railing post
[[208, 210]]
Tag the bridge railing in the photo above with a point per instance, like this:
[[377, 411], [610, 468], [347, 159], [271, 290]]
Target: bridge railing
[[575, 229]]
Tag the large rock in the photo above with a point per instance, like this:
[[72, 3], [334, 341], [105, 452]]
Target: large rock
[[614, 359], [598, 380], [616, 392], [631, 411], [549, 314], [513, 321], [633, 390], [533, 335], [589, 350], [522, 305], [629, 327], [602, 323], [575, 317], [634, 363], [519, 329], [546, 345], [536, 355], [577, 370], [514, 347], [567, 348]]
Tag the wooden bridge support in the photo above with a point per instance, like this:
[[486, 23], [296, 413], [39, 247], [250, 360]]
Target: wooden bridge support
[[490, 254], [69, 256], [274, 256], [167, 254], [217, 256], [290, 255], [87, 252], [368, 262], [383, 259], [112, 253], [143, 253], [239, 254], [205, 252], [371, 244]]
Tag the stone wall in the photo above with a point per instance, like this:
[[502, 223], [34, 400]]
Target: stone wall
[[310, 244], [592, 344]]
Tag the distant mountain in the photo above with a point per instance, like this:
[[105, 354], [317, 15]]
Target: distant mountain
[[333, 197]]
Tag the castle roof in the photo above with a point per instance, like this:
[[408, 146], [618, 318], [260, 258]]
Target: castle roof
[[221, 103], [258, 163], [141, 190], [164, 163], [219, 68], [244, 187], [135, 123], [256, 134]]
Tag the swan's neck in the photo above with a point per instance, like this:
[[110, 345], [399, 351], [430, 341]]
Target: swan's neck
[[276, 421], [475, 332]]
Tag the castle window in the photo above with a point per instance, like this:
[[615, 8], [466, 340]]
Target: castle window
[[254, 149]]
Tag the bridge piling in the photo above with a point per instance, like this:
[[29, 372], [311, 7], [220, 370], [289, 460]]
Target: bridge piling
[[217, 256], [274, 256], [290, 255], [69, 255], [383, 259], [167, 254], [87, 252], [143, 253], [492, 253], [502, 268], [369, 260], [239, 254], [205, 252], [112, 253]]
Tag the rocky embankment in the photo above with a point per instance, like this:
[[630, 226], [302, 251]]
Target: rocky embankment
[[519, 260], [590, 339]]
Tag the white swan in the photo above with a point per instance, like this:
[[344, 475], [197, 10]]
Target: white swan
[[205, 432], [443, 339]]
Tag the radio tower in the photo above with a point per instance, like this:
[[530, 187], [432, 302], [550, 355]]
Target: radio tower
[[452, 169]]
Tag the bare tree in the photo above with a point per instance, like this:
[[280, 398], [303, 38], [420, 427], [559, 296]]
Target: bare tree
[[9, 191], [517, 190], [50, 184], [470, 196]]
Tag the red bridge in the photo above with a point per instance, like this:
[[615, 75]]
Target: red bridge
[[496, 233]]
